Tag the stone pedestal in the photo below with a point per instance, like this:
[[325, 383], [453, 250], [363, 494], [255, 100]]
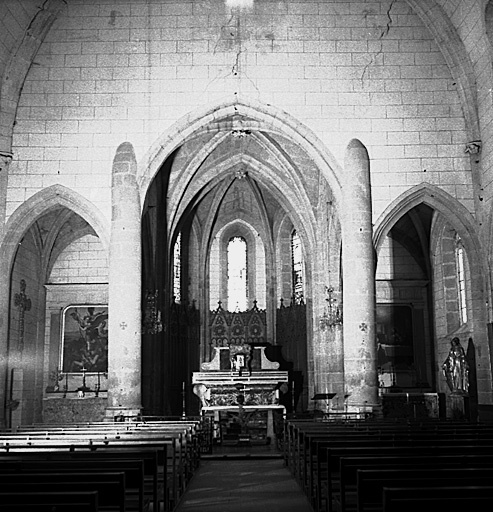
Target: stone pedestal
[[457, 406], [73, 409]]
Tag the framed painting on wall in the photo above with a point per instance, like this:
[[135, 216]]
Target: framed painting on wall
[[394, 324], [84, 345]]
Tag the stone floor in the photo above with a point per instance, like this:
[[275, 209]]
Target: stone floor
[[235, 480]]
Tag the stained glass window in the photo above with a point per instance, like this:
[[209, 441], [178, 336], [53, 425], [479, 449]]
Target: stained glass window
[[297, 267]]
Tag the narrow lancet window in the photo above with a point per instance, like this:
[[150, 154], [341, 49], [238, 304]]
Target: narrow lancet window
[[461, 279], [237, 274], [297, 267]]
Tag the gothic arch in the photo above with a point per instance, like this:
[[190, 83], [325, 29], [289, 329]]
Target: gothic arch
[[250, 115], [458, 216], [40, 203], [21, 60], [437, 199]]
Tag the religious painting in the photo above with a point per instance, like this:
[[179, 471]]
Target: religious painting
[[84, 339], [395, 352]]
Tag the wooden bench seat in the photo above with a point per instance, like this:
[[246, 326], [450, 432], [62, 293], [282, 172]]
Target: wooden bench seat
[[326, 477], [110, 489], [132, 469], [349, 466], [370, 482], [48, 501], [312, 449], [326, 462], [176, 447], [174, 469], [451, 499], [148, 457]]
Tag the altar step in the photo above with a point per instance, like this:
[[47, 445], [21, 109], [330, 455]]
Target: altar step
[[242, 452]]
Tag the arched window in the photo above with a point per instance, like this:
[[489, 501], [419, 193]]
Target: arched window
[[237, 274], [461, 279], [297, 267], [177, 269]]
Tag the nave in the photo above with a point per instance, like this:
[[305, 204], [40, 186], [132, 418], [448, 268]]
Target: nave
[[323, 464], [243, 484]]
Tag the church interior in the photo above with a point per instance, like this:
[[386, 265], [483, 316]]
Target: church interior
[[246, 210]]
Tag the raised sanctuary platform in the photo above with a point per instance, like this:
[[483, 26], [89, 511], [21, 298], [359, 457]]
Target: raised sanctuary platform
[[240, 389]]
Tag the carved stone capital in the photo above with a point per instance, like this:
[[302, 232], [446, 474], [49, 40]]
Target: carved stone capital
[[473, 147], [5, 159]]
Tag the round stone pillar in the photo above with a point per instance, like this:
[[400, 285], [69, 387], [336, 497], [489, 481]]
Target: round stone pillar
[[5, 160], [360, 369], [124, 315]]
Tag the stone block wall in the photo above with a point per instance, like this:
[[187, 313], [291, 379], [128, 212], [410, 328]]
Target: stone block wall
[[83, 261], [109, 73], [25, 362]]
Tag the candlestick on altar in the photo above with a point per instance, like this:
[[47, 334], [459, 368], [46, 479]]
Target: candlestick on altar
[[98, 386], [66, 386], [84, 369], [184, 403]]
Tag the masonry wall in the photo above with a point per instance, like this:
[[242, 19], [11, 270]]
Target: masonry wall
[[128, 71], [25, 360], [79, 276]]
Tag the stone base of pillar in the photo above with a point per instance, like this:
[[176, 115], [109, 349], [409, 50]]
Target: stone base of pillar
[[457, 406], [121, 414]]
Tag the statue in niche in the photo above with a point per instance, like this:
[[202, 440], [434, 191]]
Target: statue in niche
[[456, 368]]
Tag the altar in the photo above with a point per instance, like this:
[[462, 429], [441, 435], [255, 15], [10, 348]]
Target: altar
[[240, 389], [249, 424]]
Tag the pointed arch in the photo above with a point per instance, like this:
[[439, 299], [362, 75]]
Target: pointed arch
[[455, 213], [47, 199], [239, 114], [21, 60], [437, 199]]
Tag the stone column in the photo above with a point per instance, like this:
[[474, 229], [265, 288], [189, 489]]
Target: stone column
[[5, 160], [124, 315], [360, 356]]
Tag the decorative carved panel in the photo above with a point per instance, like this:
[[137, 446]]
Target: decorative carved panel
[[238, 327]]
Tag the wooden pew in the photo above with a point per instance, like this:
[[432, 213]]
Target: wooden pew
[[178, 438], [49, 502], [315, 442], [104, 456], [109, 486], [451, 499], [330, 476], [132, 469], [304, 437], [348, 467], [370, 482], [306, 446], [174, 472]]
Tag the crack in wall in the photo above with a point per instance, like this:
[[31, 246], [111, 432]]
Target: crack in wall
[[383, 34], [231, 34]]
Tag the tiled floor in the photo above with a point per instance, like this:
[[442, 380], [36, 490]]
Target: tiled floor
[[242, 485]]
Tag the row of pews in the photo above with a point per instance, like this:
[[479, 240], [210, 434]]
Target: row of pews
[[143, 465], [378, 465]]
